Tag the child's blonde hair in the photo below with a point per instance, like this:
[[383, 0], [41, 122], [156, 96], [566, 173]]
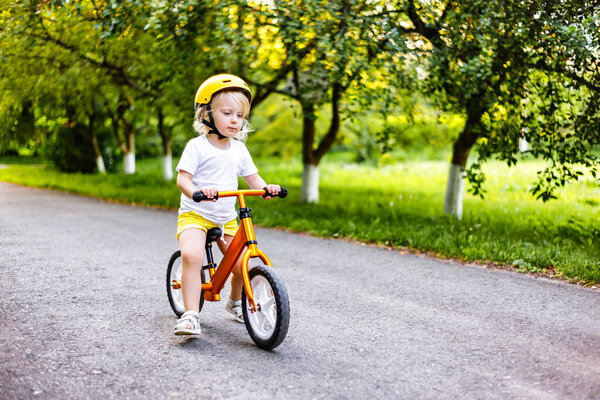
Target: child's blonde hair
[[240, 98]]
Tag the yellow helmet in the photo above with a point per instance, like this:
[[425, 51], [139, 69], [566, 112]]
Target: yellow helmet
[[216, 83]]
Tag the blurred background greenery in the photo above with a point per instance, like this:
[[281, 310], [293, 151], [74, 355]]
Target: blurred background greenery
[[376, 114]]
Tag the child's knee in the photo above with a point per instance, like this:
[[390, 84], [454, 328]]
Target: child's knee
[[192, 259], [236, 270]]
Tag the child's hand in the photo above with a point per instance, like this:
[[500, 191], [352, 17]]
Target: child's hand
[[210, 192], [273, 191]]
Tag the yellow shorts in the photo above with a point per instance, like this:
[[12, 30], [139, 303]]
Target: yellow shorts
[[193, 220]]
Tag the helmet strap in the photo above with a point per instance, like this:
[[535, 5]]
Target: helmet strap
[[211, 124]]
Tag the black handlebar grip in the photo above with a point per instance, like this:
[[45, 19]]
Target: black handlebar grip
[[199, 196], [282, 193]]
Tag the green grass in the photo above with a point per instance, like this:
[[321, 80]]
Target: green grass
[[397, 205]]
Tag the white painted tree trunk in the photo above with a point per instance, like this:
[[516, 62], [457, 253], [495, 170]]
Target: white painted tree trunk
[[453, 201], [523, 145], [310, 184], [129, 163], [167, 167], [100, 165]]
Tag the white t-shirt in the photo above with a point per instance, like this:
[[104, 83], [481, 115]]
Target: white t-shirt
[[211, 166]]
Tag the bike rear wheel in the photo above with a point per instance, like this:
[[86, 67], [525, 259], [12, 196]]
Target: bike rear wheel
[[268, 324], [174, 285]]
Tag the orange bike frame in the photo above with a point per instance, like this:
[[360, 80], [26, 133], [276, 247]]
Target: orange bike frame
[[242, 248]]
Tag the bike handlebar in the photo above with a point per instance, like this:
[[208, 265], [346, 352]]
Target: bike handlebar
[[198, 196]]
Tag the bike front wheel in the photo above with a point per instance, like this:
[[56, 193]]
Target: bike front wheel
[[268, 324], [174, 285]]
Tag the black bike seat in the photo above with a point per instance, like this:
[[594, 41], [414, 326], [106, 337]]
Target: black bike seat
[[213, 234]]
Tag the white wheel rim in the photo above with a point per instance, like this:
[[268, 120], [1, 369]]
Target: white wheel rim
[[264, 319], [176, 294]]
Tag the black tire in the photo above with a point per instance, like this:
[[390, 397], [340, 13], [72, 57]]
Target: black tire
[[267, 326], [174, 295]]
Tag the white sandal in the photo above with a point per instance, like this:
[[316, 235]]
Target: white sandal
[[235, 308], [188, 324]]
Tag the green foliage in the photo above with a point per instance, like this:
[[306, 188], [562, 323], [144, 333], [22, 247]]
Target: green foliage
[[506, 69], [516, 69], [277, 130], [70, 150], [371, 135], [115, 62]]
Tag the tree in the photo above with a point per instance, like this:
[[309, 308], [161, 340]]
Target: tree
[[47, 84], [42, 67], [326, 58], [272, 46], [515, 69], [144, 56]]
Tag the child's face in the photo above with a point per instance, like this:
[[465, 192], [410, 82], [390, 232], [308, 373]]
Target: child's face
[[228, 116]]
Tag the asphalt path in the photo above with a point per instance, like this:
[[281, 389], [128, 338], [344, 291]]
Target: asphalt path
[[84, 315]]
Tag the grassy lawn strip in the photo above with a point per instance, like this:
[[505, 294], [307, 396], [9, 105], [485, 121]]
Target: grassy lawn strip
[[398, 206]]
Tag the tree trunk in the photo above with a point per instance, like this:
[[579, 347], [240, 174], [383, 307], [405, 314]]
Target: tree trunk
[[167, 167], [129, 155], [128, 148], [100, 164], [453, 200], [523, 145], [129, 163], [92, 132], [310, 191], [310, 175], [167, 161], [310, 184]]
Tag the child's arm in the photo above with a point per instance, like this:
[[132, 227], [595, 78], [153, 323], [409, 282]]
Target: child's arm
[[187, 187], [254, 181]]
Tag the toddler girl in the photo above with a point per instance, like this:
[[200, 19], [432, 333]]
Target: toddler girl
[[212, 162]]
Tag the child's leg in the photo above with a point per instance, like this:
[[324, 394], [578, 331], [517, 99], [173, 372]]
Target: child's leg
[[191, 242], [237, 281], [234, 304]]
